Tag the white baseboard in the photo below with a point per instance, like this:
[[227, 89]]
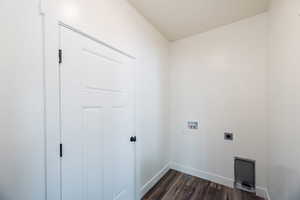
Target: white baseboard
[[262, 192], [154, 180], [202, 174], [268, 195]]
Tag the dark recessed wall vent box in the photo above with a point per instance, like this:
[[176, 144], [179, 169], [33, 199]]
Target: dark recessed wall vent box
[[244, 173]]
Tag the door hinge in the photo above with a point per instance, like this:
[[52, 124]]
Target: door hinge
[[60, 150], [60, 56]]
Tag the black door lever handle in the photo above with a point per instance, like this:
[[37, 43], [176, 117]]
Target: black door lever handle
[[133, 139]]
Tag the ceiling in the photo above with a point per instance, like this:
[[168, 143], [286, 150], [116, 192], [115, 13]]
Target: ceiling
[[177, 19]]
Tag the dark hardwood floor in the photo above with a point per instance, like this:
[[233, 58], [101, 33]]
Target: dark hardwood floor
[[178, 186]]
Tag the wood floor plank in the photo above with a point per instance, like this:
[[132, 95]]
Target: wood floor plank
[[178, 186], [163, 186], [189, 188], [201, 189], [186, 189]]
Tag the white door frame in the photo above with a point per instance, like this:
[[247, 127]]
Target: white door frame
[[52, 127]]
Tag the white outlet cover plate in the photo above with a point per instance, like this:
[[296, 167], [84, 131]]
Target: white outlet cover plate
[[192, 125]]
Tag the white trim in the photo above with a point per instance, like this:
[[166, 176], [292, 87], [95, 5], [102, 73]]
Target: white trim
[[48, 9], [42, 8], [95, 39], [262, 192], [202, 174], [136, 133], [154, 180], [268, 195]]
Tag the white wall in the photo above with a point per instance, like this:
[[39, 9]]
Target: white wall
[[21, 108], [284, 45], [220, 78], [22, 174]]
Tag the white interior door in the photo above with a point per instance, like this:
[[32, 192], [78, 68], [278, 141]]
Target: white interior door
[[97, 121]]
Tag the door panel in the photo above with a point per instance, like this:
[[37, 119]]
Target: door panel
[[97, 120]]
